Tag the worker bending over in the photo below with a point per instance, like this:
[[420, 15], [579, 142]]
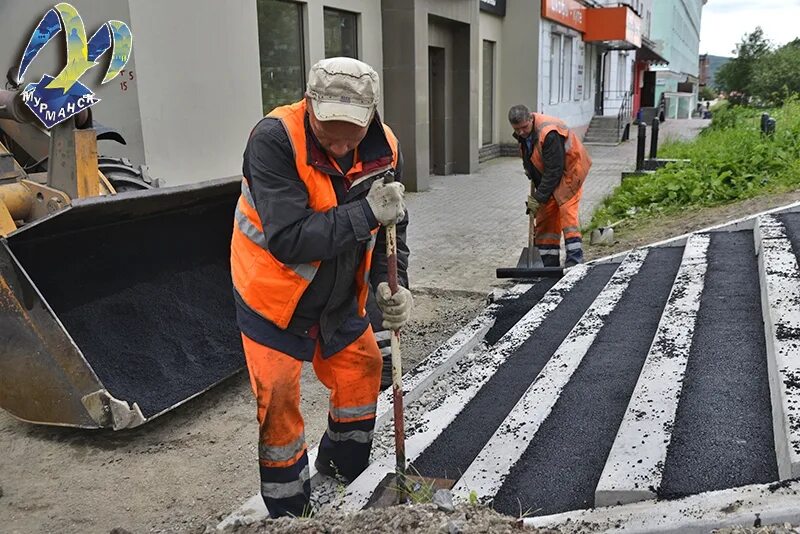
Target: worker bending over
[[557, 162], [308, 241]]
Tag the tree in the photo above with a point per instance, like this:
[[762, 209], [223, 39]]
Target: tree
[[777, 75], [707, 93], [736, 76]]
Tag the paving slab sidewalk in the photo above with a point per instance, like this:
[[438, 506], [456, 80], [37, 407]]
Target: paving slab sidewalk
[[467, 225]]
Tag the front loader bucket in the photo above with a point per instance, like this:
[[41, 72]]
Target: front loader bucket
[[117, 309]]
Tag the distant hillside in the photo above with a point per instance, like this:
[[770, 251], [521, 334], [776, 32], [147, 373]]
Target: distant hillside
[[714, 63]]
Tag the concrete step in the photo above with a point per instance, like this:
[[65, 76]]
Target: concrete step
[[722, 432], [780, 298], [487, 473], [431, 415], [635, 464]]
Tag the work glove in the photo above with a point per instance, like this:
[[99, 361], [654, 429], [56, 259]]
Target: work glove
[[396, 308], [532, 206], [386, 201]]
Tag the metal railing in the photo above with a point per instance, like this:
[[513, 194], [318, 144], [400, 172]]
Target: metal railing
[[624, 115]]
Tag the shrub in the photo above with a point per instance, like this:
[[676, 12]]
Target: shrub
[[730, 161]]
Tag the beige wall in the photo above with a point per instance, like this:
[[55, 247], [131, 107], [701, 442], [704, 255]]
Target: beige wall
[[406, 38], [199, 85], [193, 99], [519, 61]]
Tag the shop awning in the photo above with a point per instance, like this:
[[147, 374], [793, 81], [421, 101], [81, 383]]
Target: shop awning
[[648, 53], [619, 28]]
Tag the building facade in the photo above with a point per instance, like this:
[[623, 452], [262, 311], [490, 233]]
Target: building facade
[[676, 28], [450, 70]]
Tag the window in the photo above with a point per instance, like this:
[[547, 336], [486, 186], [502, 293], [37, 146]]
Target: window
[[280, 46], [588, 72], [488, 92], [341, 33], [555, 64], [621, 60], [566, 70]]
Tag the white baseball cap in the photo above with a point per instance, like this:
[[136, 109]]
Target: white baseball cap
[[343, 89]]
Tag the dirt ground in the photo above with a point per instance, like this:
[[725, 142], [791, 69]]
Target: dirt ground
[[662, 228], [185, 468]]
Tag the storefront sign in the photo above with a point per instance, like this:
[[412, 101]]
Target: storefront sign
[[567, 12], [497, 7], [614, 24]]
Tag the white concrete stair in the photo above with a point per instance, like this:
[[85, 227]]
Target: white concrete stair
[[485, 476], [780, 301], [635, 465], [426, 423]]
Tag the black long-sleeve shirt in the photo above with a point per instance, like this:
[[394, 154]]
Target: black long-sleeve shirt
[[553, 157]]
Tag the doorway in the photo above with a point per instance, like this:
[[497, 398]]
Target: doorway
[[649, 89], [436, 109]]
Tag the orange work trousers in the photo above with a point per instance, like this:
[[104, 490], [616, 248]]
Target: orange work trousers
[[551, 221], [353, 377]]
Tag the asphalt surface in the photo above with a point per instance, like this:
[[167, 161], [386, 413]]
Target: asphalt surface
[[513, 309], [792, 223], [455, 449], [560, 468], [137, 297], [722, 436]]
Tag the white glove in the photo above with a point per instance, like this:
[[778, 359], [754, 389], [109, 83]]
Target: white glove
[[532, 206], [386, 201], [396, 308]]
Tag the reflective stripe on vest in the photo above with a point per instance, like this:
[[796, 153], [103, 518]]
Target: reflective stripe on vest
[[256, 234]]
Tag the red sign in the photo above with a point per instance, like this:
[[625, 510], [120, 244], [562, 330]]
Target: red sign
[[614, 24], [567, 12]]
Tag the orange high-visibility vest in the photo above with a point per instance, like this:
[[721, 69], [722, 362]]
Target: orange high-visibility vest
[[266, 285], [577, 164]]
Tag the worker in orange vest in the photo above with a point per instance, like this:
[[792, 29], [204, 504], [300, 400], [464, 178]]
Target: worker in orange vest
[[557, 162], [308, 240]]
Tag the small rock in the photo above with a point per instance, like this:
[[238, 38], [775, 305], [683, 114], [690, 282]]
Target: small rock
[[120, 530], [443, 499], [455, 527]]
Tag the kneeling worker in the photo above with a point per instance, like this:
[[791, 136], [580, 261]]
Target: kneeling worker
[[308, 241], [557, 162]]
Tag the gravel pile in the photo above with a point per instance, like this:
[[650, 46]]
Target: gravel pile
[[419, 518]]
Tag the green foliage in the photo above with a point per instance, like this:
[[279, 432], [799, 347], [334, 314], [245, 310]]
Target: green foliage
[[707, 93], [777, 75], [736, 76], [730, 161]]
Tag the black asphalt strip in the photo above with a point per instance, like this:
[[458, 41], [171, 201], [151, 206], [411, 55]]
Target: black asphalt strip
[[560, 469], [792, 223], [722, 436], [512, 309], [452, 452]]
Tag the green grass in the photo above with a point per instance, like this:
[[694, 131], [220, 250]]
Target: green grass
[[730, 161]]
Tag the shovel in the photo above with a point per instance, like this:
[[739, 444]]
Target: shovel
[[397, 487], [530, 263]]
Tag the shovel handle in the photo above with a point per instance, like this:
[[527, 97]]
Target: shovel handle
[[391, 243], [397, 366]]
